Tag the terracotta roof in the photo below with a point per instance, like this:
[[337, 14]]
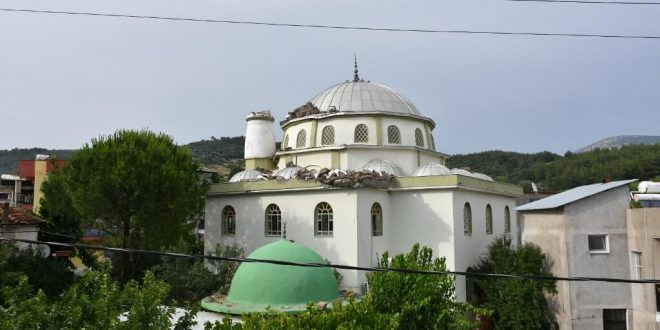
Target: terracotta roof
[[14, 216]]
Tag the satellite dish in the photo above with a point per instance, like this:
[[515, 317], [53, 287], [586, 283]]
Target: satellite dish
[[43, 250], [534, 189]]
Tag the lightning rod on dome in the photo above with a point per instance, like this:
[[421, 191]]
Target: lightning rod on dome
[[356, 78]]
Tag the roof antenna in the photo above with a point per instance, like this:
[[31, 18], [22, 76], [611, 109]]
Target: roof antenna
[[356, 78]]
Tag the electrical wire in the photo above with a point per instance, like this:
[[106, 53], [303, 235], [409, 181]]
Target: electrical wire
[[592, 2], [336, 27], [337, 266]]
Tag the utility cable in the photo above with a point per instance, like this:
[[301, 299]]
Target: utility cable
[[323, 265], [336, 27]]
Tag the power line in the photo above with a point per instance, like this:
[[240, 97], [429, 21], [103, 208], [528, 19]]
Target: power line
[[592, 2], [321, 265], [335, 27]]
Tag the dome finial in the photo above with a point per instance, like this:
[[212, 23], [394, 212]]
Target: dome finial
[[355, 72]]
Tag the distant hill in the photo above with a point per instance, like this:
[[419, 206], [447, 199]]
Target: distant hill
[[620, 141], [9, 158]]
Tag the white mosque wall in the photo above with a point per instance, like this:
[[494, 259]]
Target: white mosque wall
[[345, 129], [469, 249], [431, 217]]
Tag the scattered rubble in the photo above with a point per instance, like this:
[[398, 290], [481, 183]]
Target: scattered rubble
[[341, 178]]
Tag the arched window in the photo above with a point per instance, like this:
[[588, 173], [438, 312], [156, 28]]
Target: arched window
[[323, 220], [376, 220], [507, 220], [467, 220], [419, 137], [431, 142], [301, 139], [489, 219], [273, 220], [228, 221], [361, 134], [393, 135], [285, 143], [328, 135]]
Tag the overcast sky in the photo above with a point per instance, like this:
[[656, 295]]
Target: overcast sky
[[66, 79]]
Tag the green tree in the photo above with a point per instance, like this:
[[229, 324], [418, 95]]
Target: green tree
[[137, 184], [517, 304]]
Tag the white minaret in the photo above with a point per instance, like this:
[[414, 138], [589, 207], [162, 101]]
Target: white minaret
[[259, 141]]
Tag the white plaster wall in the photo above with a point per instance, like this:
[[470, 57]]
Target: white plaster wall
[[643, 236], [371, 248], [468, 249], [322, 159], [259, 139], [604, 213], [345, 129], [20, 232], [355, 159], [293, 130], [298, 211], [407, 128]]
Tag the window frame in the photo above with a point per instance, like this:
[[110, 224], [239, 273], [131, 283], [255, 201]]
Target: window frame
[[636, 265], [318, 220], [273, 213], [364, 130], [330, 134], [393, 134], [225, 228], [606, 250], [507, 220], [489, 219], [419, 138], [301, 139], [467, 219], [376, 220]]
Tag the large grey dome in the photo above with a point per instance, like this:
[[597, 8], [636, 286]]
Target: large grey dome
[[363, 96]]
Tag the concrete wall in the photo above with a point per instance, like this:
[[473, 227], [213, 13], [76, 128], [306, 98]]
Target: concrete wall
[[548, 231], [644, 236], [20, 232], [604, 213]]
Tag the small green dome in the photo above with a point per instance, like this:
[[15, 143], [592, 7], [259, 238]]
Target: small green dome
[[257, 285]]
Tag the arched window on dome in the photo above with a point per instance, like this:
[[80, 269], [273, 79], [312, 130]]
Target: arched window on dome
[[507, 219], [419, 138], [376, 220], [361, 134], [393, 135], [467, 220], [301, 140], [323, 224], [489, 220], [285, 143], [328, 136], [228, 223], [273, 220]]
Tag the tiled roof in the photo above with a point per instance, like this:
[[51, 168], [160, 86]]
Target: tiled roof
[[570, 196], [15, 216]]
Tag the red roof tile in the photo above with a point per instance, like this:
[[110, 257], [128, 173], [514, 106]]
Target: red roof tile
[[15, 216]]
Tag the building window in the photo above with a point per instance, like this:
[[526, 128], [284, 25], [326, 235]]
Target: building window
[[431, 142], [328, 135], [376, 220], [228, 221], [301, 139], [323, 225], [419, 137], [467, 220], [285, 144], [361, 134], [614, 319], [598, 243], [489, 220], [507, 220], [636, 265], [393, 135], [273, 220]]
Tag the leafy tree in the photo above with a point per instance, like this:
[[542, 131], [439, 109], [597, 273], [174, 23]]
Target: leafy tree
[[517, 304], [137, 184], [189, 279]]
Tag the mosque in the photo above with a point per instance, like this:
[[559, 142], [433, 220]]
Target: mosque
[[357, 174]]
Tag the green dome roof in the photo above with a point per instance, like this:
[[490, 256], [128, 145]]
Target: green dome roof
[[258, 285]]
